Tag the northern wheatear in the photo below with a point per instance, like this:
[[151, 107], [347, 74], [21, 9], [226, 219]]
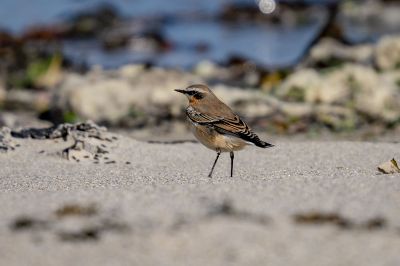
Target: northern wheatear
[[215, 125]]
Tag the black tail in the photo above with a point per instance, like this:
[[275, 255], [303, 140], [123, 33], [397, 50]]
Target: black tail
[[263, 144], [253, 138], [246, 135]]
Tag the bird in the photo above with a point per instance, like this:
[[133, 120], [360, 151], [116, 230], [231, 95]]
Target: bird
[[216, 126]]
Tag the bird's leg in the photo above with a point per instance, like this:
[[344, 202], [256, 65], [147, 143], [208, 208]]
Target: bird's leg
[[215, 162], [232, 156]]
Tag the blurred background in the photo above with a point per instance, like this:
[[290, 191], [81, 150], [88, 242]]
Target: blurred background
[[298, 68]]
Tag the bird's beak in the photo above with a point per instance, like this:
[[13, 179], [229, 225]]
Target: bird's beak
[[181, 91]]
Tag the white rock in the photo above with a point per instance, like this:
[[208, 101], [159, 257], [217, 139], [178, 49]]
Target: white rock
[[338, 86], [111, 95], [296, 109], [387, 53], [338, 117], [131, 71], [155, 90], [328, 48], [334, 89], [383, 102], [308, 81], [106, 100], [7, 143], [247, 102], [206, 69], [28, 99], [376, 95], [95, 96]]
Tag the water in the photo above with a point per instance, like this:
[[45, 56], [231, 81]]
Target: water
[[17, 15], [269, 46]]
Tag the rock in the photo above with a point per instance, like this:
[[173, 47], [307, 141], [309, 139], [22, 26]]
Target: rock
[[387, 53], [301, 86], [296, 110], [19, 99], [237, 72], [87, 129], [136, 96], [105, 100], [154, 91], [336, 117], [92, 23], [390, 167], [368, 92], [16, 119], [329, 52], [364, 21], [340, 85], [88, 149], [131, 71], [247, 102], [145, 39], [206, 69], [334, 89], [90, 143], [383, 103], [392, 76], [7, 143], [110, 96], [95, 96]]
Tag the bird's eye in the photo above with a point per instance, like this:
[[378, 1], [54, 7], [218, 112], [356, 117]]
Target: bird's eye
[[198, 96]]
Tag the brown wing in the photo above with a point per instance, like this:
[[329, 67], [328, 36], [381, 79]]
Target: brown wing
[[233, 126]]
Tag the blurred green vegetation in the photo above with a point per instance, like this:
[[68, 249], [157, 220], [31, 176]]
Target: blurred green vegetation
[[70, 117], [39, 72]]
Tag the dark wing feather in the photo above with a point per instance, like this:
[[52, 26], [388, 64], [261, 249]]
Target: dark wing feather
[[239, 128], [228, 126]]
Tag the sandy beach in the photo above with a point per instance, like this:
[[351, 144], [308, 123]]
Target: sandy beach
[[318, 79], [299, 203]]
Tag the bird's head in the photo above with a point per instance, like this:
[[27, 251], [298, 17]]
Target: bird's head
[[196, 92]]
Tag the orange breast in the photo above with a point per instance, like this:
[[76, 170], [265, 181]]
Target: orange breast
[[193, 101]]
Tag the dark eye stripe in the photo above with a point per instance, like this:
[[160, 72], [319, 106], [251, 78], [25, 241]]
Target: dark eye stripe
[[198, 96]]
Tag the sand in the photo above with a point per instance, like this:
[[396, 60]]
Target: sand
[[152, 204]]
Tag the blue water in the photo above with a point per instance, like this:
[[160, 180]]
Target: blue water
[[269, 46], [17, 15]]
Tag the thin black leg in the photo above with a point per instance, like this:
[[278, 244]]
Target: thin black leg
[[232, 156], [215, 162]]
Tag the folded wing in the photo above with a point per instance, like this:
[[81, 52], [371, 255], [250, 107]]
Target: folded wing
[[233, 126]]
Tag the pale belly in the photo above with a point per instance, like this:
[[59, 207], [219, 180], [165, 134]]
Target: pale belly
[[216, 141]]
